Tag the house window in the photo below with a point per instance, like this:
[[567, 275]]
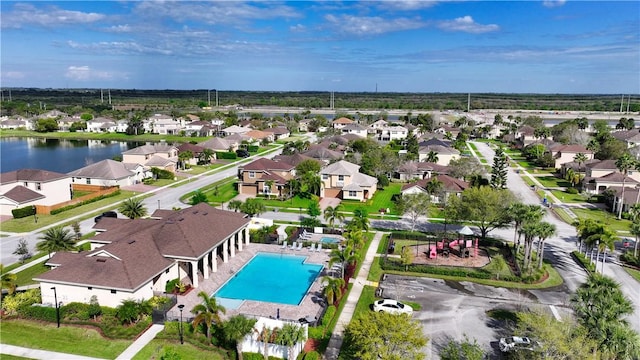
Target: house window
[[26, 184], [38, 186], [353, 193], [266, 189], [340, 177], [252, 174], [325, 176], [89, 288], [88, 181], [113, 291]]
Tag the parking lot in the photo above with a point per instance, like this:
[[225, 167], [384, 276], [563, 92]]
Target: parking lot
[[451, 310]]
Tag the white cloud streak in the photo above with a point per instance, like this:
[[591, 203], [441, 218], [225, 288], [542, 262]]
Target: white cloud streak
[[467, 24], [25, 15]]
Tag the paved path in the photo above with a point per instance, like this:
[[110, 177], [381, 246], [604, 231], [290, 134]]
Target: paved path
[[333, 349], [39, 354], [141, 342]]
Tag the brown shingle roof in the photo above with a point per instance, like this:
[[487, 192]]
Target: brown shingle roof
[[30, 175], [264, 164], [21, 194]]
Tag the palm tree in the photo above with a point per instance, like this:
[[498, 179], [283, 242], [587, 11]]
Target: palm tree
[[342, 256], [624, 164], [520, 214], [432, 157], [206, 155], [359, 221], [331, 214], [289, 336], [266, 336], [580, 159], [545, 231], [183, 157], [8, 281], [236, 328], [234, 205], [198, 197], [355, 239], [333, 289], [530, 231], [635, 230], [207, 312], [133, 208], [268, 184], [56, 239]]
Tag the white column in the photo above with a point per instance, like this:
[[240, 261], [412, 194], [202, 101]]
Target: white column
[[240, 235], [225, 251], [194, 273], [214, 260], [246, 236], [233, 239], [205, 266]]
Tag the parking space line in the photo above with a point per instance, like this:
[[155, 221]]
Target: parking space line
[[555, 313]]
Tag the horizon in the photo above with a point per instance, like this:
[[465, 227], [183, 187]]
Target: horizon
[[401, 46]]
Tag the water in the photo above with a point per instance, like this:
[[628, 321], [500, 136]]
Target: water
[[330, 240], [57, 155], [275, 278]]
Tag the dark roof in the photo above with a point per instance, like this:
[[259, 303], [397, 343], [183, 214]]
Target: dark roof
[[264, 164], [604, 164], [36, 175], [449, 184], [294, 159], [195, 149], [21, 194], [188, 234], [435, 141]]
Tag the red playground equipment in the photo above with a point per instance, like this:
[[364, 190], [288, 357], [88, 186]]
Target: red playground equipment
[[462, 247]]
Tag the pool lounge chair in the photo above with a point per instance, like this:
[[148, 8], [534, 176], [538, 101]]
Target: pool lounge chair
[[319, 248], [312, 247], [300, 244], [293, 245], [305, 235], [284, 244]]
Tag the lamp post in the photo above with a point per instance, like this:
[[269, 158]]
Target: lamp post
[[55, 298], [597, 253], [180, 307]]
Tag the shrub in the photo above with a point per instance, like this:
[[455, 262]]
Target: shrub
[[13, 303], [227, 155], [38, 312], [582, 260], [253, 148], [572, 190], [383, 181], [23, 212], [88, 201], [328, 315], [162, 174], [312, 355], [75, 311]]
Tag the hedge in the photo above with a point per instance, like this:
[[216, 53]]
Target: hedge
[[89, 201], [162, 174], [228, 155], [23, 212], [253, 148], [458, 272], [257, 356], [582, 260]]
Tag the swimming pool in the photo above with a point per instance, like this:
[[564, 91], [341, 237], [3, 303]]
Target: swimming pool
[[330, 240], [276, 278]]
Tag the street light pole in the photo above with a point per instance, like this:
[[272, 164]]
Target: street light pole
[[55, 298], [597, 253], [181, 306]]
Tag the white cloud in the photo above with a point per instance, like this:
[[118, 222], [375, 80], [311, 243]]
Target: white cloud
[[405, 5], [85, 73], [298, 28], [119, 28], [362, 26], [467, 24], [553, 3], [25, 15]]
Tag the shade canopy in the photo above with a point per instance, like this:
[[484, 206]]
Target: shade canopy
[[465, 231]]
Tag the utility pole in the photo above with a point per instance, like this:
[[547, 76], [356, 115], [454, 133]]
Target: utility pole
[[469, 102], [217, 103], [101, 96], [628, 101], [621, 103], [209, 97], [109, 96]]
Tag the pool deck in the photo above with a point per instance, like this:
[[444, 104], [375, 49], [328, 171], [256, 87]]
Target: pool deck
[[308, 307]]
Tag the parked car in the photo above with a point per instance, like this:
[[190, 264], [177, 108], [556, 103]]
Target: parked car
[[517, 343], [111, 214], [392, 306], [242, 153]]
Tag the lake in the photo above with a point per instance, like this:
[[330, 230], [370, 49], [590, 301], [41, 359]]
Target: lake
[[57, 155]]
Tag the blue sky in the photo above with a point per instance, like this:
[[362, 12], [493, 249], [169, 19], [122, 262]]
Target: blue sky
[[397, 46]]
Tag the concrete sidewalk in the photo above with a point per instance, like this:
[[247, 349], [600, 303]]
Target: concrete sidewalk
[[141, 342], [335, 343], [39, 354]]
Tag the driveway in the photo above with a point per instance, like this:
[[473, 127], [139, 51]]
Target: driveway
[[326, 202]]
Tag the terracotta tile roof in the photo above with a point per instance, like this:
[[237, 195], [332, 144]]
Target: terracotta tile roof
[[343, 120], [34, 175], [571, 148], [195, 149]]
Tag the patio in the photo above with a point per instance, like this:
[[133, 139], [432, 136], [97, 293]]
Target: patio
[[308, 307]]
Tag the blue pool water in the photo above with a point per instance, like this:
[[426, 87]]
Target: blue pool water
[[330, 240], [276, 278]]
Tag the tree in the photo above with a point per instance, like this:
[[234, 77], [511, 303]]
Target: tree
[[235, 205], [46, 125], [7, 281], [198, 197], [462, 350], [183, 157], [289, 335], [22, 250], [359, 221], [625, 123], [268, 185], [406, 257], [266, 336], [580, 159], [133, 208], [624, 164], [56, 239], [601, 307], [432, 157], [634, 229], [486, 206], [331, 214], [499, 170], [306, 166], [75, 225], [380, 335], [333, 288], [128, 312], [378, 161], [343, 256], [521, 213], [253, 207], [313, 209], [414, 206], [545, 231], [310, 183], [236, 328], [205, 156], [413, 148], [465, 168], [207, 312]]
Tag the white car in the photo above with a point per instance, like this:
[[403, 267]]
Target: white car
[[392, 306], [517, 343]]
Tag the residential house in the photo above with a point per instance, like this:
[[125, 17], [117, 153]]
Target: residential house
[[303, 125], [295, 159], [448, 186], [525, 135], [196, 151], [378, 125], [343, 180], [52, 114], [122, 126], [444, 153], [65, 123], [264, 177], [601, 175], [279, 132], [101, 125], [257, 135], [200, 128], [631, 196], [447, 130], [167, 125], [32, 187], [354, 129], [16, 123], [563, 154], [220, 144], [630, 137], [160, 155], [419, 170], [391, 133], [323, 154], [110, 173], [235, 129], [184, 244], [341, 122]]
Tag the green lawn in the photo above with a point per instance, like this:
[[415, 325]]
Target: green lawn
[[295, 202], [565, 197], [28, 224], [552, 181], [605, 217], [381, 200], [528, 180], [25, 276], [633, 272], [156, 348], [221, 193], [66, 339]]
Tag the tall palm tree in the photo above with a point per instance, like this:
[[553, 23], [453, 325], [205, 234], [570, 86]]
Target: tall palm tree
[[236, 328], [207, 312], [183, 157], [580, 159], [333, 288], [522, 213], [269, 184], [342, 256], [133, 208], [206, 155], [289, 336], [624, 164], [359, 221], [355, 239], [545, 231], [635, 230], [530, 231], [432, 156], [56, 239], [234, 205], [331, 214], [266, 335]]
